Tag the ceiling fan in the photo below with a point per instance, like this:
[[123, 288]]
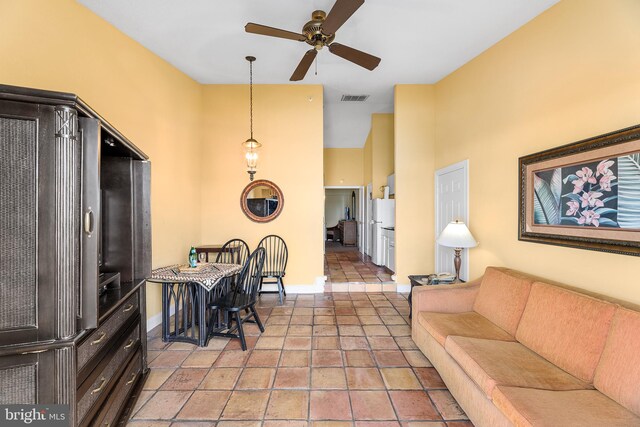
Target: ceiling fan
[[320, 32]]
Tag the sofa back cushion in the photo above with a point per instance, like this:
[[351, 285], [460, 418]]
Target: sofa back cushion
[[502, 297], [618, 373], [566, 328]]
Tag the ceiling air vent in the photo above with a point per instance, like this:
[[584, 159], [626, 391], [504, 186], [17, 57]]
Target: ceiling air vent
[[354, 98]]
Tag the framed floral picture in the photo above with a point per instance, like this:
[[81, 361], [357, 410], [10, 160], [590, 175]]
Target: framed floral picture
[[584, 195]]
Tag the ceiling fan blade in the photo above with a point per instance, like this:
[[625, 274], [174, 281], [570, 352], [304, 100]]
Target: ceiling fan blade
[[273, 32], [340, 12], [304, 65], [354, 55]]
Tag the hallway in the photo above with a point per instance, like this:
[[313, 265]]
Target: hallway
[[344, 264]]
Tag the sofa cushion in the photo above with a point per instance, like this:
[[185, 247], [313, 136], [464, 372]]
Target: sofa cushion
[[490, 363], [547, 408], [469, 324], [566, 328], [618, 373], [502, 297]]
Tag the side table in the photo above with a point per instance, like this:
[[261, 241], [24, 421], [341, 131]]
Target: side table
[[424, 280]]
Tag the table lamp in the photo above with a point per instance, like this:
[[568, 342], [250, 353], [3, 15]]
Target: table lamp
[[456, 235]]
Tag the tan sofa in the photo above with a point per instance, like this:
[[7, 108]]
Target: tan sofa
[[514, 350]]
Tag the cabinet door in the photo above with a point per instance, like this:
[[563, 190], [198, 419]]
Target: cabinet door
[[385, 249], [141, 219], [40, 377], [39, 204], [88, 307]]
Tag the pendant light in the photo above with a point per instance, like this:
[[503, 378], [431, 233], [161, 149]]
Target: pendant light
[[251, 146]]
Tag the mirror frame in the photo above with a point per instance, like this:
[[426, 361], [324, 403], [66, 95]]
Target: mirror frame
[[245, 208]]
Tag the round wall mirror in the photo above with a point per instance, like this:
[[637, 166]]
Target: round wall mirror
[[261, 201]]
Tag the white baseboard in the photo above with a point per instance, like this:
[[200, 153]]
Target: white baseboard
[[403, 288], [156, 320]]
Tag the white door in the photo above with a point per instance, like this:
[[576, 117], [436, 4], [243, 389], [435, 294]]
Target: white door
[[451, 203], [368, 216]]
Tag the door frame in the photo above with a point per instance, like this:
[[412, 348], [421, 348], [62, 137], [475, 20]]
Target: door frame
[[366, 249], [359, 219], [464, 165]]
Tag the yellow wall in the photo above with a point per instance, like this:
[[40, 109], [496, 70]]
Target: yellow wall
[[569, 74], [367, 153], [382, 162], [60, 45], [290, 129], [414, 168], [343, 166]]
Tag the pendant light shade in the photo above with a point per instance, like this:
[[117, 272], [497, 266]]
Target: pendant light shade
[[251, 146]]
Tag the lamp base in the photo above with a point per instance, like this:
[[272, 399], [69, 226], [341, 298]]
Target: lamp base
[[457, 262]]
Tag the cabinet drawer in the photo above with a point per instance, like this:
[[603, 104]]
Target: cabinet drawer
[[108, 416], [104, 334], [96, 389]]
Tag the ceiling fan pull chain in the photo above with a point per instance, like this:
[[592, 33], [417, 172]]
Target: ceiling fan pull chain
[[316, 65]]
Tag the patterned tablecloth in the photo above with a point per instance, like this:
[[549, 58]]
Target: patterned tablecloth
[[206, 274]]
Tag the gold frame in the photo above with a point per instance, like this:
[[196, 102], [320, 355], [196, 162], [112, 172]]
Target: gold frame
[[624, 242]]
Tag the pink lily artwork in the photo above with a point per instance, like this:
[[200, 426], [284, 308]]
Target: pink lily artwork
[[602, 193]]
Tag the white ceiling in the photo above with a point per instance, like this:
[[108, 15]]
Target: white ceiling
[[419, 41]]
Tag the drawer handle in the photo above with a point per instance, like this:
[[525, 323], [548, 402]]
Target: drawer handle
[[102, 384], [133, 377], [34, 352], [128, 308], [131, 342], [99, 340]]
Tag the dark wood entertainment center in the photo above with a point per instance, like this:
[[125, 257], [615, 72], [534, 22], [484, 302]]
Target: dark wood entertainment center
[[75, 250]]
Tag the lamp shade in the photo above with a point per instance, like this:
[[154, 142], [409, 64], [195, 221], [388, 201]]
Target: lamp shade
[[456, 235]]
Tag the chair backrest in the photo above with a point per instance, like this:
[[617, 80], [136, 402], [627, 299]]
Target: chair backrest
[[235, 251], [249, 279], [277, 255]]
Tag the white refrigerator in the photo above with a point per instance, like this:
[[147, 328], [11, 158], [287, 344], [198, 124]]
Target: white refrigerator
[[383, 215]]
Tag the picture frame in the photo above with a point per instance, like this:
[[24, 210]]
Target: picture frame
[[583, 195]]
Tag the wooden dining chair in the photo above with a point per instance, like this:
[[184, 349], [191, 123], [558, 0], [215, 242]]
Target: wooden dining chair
[[242, 297], [235, 251], [275, 263]]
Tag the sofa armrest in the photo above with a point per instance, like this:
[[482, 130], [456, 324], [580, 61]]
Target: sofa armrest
[[455, 298]]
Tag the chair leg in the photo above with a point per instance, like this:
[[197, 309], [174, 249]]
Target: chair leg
[[240, 331], [280, 291], [284, 291], [213, 318], [257, 318]]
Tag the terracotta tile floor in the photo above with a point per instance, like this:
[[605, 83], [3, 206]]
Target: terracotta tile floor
[[325, 360], [346, 264]]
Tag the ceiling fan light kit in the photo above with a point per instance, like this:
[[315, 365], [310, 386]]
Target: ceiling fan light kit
[[320, 32]]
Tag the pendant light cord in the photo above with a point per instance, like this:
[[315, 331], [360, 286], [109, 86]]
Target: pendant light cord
[[251, 97]]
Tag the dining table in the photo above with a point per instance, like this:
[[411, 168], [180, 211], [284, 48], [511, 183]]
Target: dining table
[[186, 291]]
